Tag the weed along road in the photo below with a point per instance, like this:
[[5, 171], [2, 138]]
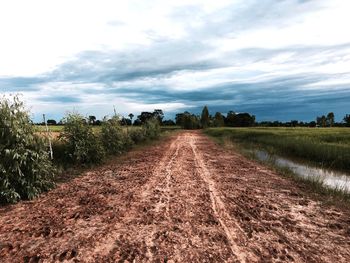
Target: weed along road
[[182, 200]]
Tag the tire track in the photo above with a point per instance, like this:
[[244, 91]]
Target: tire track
[[235, 234], [143, 198], [163, 168], [278, 233], [263, 202], [253, 218], [166, 169], [184, 200]]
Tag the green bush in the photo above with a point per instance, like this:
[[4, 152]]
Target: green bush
[[60, 149], [128, 142], [152, 129], [25, 167], [137, 135], [82, 145], [114, 139]]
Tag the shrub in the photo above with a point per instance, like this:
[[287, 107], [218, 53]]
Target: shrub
[[82, 145], [60, 149], [25, 167], [137, 135], [114, 139], [152, 129], [128, 142]]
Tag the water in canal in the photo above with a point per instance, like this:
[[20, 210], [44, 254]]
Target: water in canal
[[332, 179]]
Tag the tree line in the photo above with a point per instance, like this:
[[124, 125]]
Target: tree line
[[189, 120], [124, 121], [320, 121]]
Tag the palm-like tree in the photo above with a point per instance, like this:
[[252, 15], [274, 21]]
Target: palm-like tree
[[131, 116]]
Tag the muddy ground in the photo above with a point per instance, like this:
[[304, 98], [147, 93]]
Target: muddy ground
[[183, 200]]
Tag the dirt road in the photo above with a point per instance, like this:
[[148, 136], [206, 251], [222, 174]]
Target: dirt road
[[184, 200]]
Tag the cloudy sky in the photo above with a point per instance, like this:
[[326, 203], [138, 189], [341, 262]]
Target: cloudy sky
[[277, 59]]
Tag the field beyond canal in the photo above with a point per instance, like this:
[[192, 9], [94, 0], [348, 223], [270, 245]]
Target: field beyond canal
[[325, 147]]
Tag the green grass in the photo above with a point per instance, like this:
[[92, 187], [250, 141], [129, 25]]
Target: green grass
[[326, 147], [59, 128], [170, 128], [53, 128]]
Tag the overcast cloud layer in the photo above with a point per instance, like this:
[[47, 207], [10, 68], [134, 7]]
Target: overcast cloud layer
[[276, 59]]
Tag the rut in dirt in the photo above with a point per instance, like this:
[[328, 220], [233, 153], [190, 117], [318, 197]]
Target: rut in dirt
[[183, 200]]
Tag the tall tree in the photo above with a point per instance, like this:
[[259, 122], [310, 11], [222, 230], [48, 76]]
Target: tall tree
[[219, 120], [187, 120], [145, 116], [205, 117], [51, 122], [323, 121], [124, 121], [159, 115], [131, 116], [169, 123], [179, 119], [230, 118], [92, 119], [294, 123], [330, 119], [243, 120], [347, 120], [318, 121]]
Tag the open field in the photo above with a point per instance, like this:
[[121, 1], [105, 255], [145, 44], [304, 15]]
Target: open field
[[326, 147], [55, 130], [59, 128], [182, 200]]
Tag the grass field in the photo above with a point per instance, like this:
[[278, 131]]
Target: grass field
[[326, 147], [53, 128], [59, 128]]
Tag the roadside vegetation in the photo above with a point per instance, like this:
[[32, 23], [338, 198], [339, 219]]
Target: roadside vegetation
[[190, 121], [205, 120], [26, 169], [326, 147], [329, 145], [244, 139], [113, 138], [82, 145]]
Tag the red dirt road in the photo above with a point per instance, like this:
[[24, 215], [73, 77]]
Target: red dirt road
[[184, 200]]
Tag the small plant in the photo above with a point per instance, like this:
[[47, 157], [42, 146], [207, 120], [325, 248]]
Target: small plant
[[82, 145], [114, 139], [152, 128], [25, 167], [137, 135]]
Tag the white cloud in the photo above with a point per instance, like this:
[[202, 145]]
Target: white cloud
[[38, 35], [87, 49]]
